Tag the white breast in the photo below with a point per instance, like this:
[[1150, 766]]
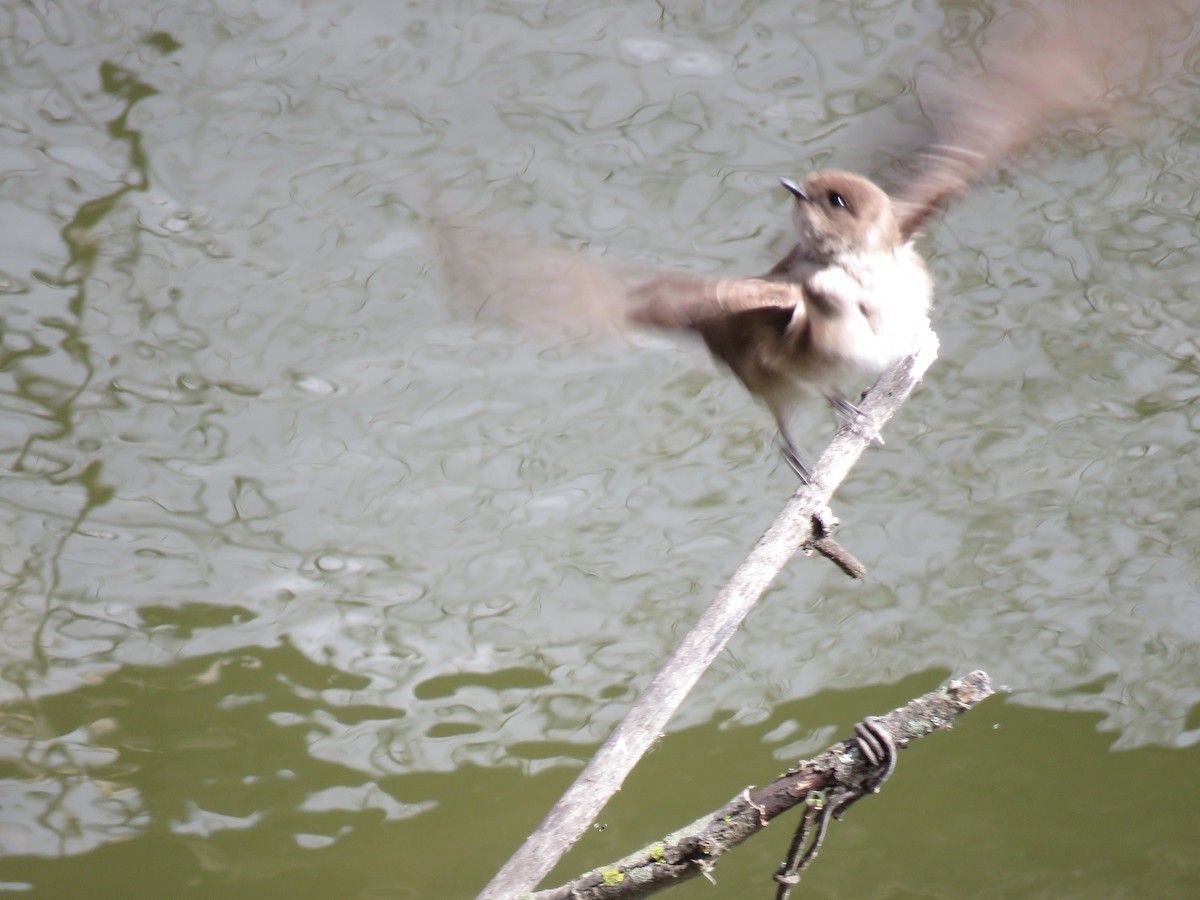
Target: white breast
[[879, 304]]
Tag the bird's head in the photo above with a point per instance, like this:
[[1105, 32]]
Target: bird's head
[[839, 213]]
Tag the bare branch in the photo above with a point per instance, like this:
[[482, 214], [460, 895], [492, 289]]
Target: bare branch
[[792, 529], [843, 771]]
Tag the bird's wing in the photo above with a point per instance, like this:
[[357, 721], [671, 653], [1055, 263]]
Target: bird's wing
[[674, 301], [492, 275], [753, 325], [1030, 81]]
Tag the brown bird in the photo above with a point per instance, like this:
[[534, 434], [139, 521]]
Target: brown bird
[[852, 296], [847, 302]]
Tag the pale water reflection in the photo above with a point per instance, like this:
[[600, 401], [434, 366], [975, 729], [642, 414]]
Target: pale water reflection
[[263, 498]]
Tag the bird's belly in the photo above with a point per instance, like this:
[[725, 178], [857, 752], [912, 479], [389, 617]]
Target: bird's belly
[[871, 317]]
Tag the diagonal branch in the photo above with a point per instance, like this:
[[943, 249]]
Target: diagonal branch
[[841, 771], [792, 529]]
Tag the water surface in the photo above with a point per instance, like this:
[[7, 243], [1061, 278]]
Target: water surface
[[311, 587]]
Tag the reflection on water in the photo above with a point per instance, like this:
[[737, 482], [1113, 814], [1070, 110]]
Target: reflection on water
[[276, 527]]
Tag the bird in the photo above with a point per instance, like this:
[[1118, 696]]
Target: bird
[[853, 295], [847, 302]]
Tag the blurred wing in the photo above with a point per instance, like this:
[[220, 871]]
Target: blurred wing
[[495, 276], [492, 275], [1029, 83]]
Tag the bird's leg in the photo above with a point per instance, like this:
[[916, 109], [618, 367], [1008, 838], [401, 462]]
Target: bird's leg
[[846, 411], [793, 457]]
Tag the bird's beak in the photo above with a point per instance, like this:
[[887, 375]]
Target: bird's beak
[[795, 189]]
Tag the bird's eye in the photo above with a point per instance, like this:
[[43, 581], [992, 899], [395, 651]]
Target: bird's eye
[[835, 200]]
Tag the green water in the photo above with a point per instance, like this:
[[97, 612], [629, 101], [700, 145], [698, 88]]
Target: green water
[[309, 588]]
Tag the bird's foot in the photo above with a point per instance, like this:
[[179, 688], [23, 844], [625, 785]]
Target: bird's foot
[[848, 413]]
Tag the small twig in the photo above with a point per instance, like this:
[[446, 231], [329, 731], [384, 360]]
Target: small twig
[[603, 775], [845, 772], [817, 810], [823, 524], [840, 557]]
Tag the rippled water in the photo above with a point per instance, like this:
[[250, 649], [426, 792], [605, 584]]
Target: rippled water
[[307, 583]]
